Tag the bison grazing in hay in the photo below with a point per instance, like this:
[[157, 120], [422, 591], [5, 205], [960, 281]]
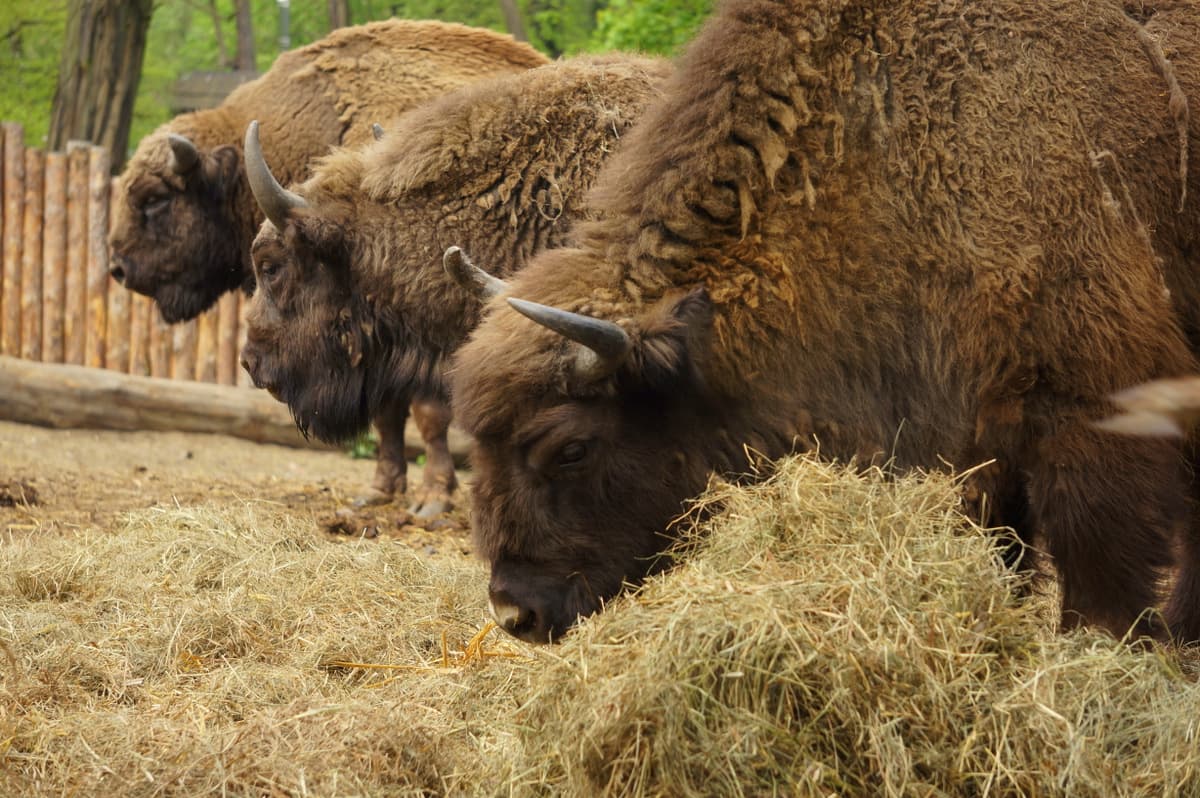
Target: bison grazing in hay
[[184, 218], [352, 314], [917, 232]]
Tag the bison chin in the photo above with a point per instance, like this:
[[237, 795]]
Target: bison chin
[[333, 410], [179, 303], [176, 301]]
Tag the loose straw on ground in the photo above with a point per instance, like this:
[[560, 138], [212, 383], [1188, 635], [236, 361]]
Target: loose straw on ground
[[825, 632]]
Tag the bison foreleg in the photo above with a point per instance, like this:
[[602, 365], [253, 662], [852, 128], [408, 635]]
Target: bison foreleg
[[433, 420], [1183, 609], [1109, 507], [391, 469], [995, 496]]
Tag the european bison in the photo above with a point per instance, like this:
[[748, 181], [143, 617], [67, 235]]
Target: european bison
[[353, 314], [185, 218], [913, 232]]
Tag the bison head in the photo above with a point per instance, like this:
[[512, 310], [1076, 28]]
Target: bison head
[[306, 335], [585, 447], [178, 235]]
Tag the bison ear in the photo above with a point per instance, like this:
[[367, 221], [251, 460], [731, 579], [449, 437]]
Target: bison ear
[[667, 340], [223, 167]]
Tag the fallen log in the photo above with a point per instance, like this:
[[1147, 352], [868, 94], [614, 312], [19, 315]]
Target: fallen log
[[68, 396]]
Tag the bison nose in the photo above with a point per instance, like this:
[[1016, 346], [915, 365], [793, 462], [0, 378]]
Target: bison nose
[[252, 363], [118, 269], [526, 623], [249, 361]]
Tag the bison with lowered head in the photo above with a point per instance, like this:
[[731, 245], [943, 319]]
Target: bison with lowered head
[[184, 216], [905, 231], [353, 314]]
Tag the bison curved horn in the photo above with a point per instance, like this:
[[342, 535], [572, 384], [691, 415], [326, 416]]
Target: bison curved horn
[[377, 130], [472, 279], [276, 201], [184, 155], [606, 344]]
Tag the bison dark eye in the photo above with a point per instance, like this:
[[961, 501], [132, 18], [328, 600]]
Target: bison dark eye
[[153, 206], [269, 269], [572, 454]]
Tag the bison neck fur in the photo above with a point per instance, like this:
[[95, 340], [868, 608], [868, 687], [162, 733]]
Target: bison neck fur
[[922, 236]]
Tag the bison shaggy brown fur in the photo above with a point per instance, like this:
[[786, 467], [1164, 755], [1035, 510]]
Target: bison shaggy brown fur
[[923, 233], [184, 217], [353, 314]]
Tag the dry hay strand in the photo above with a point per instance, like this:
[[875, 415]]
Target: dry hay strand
[[225, 650], [836, 634], [826, 632]]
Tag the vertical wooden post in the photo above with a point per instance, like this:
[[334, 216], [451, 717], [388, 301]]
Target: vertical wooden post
[[227, 340], [54, 256], [14, 220], [208, 326], [97, 254], [31, 256], [75, 309], [140, 310], [243, 377], [183, 361], [161, 343], [119, 329], [2, 181]]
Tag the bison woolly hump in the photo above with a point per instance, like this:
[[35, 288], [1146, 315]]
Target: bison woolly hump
[[184, 217]]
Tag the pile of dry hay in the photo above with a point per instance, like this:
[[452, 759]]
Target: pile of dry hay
[[832, 634]]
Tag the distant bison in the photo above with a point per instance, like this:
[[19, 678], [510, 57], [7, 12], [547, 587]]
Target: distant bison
[[184, 216], [916, 232], [353, 315]]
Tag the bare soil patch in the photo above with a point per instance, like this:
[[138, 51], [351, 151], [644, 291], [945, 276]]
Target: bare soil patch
[[55, 482]]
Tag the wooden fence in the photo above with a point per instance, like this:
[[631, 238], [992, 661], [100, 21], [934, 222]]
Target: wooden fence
[[58, 303]]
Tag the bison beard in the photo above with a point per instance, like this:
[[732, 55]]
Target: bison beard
[[925, 237], [333, 407], [339, 371]]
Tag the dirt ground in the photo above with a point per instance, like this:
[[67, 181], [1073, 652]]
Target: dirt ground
[[67, 481]]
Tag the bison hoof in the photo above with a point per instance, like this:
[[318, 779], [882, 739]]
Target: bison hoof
[[431, 506], [373, 497]]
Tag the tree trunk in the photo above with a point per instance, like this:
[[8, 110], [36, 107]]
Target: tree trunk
[[245, 38], [339, 14], [98, 74], [219, 36], [512, 20]]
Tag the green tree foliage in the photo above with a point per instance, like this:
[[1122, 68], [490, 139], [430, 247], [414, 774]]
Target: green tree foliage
[[182, 39], [651, 26], [31, 36], [561, 27]]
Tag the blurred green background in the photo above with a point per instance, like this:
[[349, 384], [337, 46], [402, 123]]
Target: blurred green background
[[183, 38]]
